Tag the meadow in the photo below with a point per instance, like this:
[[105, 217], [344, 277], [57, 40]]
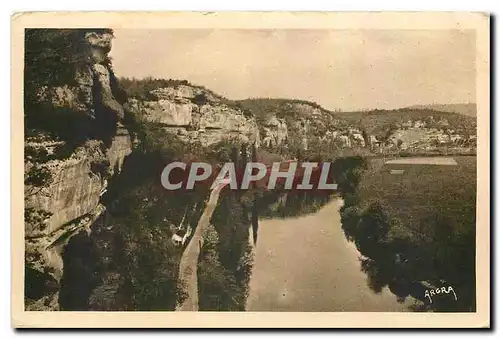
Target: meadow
[[423, 191]]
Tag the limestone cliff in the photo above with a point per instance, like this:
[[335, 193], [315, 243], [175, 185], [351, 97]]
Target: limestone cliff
[[274, 132], [74, 142], [195, 114]]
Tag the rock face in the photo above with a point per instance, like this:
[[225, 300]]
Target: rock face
[[99, 44], [67, 200], [275, 132], [195, 114], [103, 83], [308, 125], [296, 124], [74, 188], [169, 113], [73, 192]]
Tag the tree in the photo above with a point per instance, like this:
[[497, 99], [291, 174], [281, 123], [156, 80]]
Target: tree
[[350, 220], [373, 228]]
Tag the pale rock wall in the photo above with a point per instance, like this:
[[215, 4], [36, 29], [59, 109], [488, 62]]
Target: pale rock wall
[[208, 121], [121, 147], [73, 192], [274, 132], [169, 113], [74, 189]]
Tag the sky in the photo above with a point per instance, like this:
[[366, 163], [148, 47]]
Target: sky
[[338, 69]]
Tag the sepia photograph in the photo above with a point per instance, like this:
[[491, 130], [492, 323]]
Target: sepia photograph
[[299, 167]]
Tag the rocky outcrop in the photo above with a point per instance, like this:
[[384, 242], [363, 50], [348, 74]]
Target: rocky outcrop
[[65, 177], [75, 184], [105, 92], [91, 80], [195, 114], [99, 44], [169, 113], [274, 132]]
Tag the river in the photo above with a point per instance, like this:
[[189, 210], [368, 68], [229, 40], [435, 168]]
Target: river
[[306, 264]]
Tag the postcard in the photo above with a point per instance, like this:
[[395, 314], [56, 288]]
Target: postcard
[[251, 170]]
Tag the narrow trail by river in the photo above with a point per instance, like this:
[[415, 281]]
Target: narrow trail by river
[[306, 264], [188, 266]]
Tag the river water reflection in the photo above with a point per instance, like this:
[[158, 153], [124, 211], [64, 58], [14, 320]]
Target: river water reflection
[[306, 264]]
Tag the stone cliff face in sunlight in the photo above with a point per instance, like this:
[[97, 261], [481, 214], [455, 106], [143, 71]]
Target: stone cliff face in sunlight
[[195, 114], [74, 189], [275, 132], [66, 174]]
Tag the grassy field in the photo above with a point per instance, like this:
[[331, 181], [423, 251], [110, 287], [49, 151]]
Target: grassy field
[[423, 191]]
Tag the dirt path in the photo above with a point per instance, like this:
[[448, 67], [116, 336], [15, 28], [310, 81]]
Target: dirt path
[[188, 277]]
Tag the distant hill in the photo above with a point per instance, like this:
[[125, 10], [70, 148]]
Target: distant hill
[[469, 109], [378, 121]]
